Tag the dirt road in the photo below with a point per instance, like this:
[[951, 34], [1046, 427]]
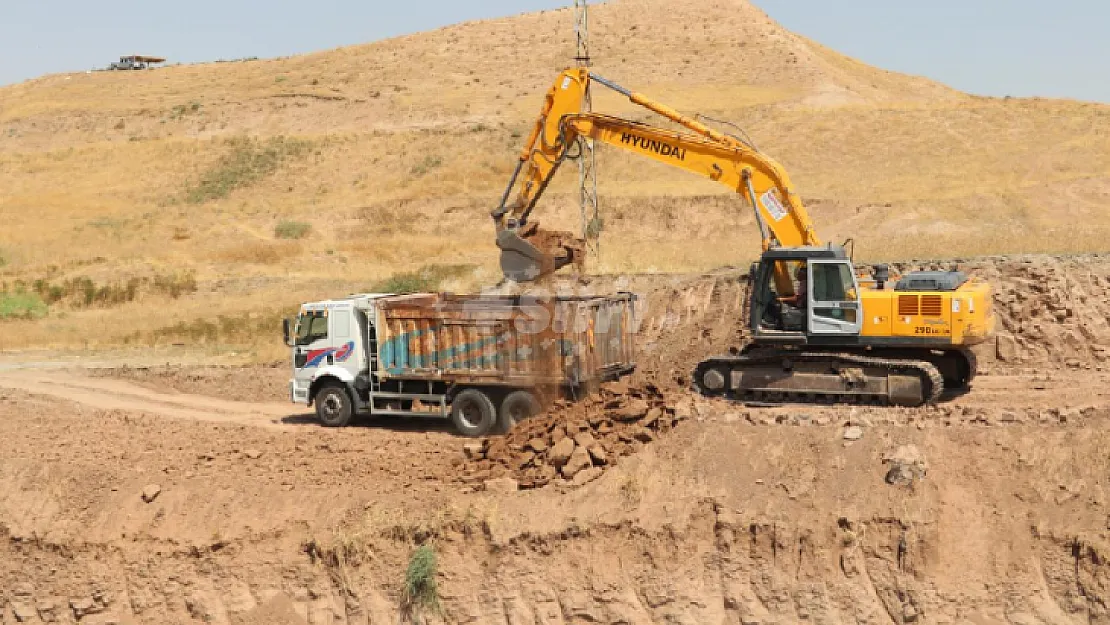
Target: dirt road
[[104, 393]]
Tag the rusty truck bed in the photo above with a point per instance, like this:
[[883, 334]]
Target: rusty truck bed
[[505, 340]]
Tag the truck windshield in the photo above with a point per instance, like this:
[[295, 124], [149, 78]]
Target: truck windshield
[[311, 327]]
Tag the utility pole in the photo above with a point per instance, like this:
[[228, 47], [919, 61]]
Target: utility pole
[[587, 161]]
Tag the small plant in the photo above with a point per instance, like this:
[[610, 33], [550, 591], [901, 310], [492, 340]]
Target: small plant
[[428, 164], [426, 279], [420, 593], [176, 284], [292, 230], [248, 162], [21, 305]]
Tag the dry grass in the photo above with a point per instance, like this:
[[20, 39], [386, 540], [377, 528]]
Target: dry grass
[[369, 170]]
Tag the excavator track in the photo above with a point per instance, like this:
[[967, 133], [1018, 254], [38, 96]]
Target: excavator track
[[783, 376]]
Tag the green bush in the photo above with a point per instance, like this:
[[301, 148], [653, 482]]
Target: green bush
[[420, 591], [241, 329], [292, 230], [248, 161], [21, 305], [428, 278], [428, 164], [82, 292]]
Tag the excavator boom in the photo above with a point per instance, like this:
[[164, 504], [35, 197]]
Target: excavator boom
[[529, 252]]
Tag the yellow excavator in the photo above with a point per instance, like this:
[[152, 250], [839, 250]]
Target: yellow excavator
[[838, 335]]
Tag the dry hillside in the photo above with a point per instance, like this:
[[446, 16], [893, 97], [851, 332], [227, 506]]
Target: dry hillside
[[199, 202]]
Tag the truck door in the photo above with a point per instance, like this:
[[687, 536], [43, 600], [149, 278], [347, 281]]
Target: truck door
[[834, 304]]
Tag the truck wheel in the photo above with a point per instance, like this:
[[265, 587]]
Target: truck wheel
[[518, 406], [473, 413], [333, 406]]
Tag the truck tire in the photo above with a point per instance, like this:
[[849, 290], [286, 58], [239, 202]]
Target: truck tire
[[333, 406], [473, 413], [516, 407]]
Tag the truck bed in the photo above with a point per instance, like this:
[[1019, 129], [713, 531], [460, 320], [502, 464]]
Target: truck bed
[[502, 340]]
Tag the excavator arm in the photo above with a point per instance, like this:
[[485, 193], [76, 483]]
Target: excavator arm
[[529, 252]]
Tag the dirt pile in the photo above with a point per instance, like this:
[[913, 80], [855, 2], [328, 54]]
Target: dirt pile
[[1054, 310], [576, 442]]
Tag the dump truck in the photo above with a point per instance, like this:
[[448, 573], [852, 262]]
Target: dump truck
[[485, 362]]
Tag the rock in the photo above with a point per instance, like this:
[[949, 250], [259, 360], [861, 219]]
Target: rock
[[23, 612], [907, 465], [151, 492], [587, 475], [537, 445], [252, 454], [585, 439], [597, 452], [578, 461], [849, 563], [1006, 348], [632, 411], [652, 417], [474, 451], [23, 589], [561, 452], [208, 609], [84, 606], [909, 613], [502, 485], [853, 433], [47, 611], [643, 435]]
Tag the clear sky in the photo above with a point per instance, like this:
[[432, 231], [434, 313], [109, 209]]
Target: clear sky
[[991, 47]]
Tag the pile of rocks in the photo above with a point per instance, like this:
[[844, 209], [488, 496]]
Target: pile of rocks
[[575, 442]]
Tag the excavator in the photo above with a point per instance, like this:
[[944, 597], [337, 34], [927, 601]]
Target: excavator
[[821, 331]]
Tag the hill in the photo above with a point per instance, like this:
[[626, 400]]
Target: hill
[[198, 203]]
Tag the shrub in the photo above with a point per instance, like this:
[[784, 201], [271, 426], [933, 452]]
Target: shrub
[[292, 230], [21, 305], [248, 161], [420, 592], [426, 279], [428, 164], [241, 329]]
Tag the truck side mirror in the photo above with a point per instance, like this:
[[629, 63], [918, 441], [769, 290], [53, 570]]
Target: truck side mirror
[[285, 332]]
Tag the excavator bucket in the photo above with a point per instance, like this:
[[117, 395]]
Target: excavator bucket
[[532, 253]]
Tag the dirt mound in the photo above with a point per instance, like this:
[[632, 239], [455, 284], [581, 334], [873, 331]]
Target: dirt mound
[[574, 443]]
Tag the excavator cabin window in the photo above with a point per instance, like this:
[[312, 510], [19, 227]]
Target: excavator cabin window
[[833, 285]]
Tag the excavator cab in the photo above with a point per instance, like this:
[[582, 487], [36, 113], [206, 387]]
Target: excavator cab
[[824, 301]]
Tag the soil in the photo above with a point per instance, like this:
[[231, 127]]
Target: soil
[[199, 495]]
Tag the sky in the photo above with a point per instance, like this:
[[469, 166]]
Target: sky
[[988, 47]]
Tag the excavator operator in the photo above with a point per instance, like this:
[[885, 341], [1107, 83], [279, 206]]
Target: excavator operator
[[798, 299]]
